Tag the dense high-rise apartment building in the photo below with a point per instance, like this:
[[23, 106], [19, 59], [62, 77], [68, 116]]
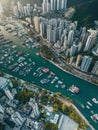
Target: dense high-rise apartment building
[[53, 5], [73, 49], [34, 105], [45, 6], [91, 40], [5, 84], [89, 43], [17, 119], [1, 109], [78, 61], [22, 11], [65, 43], [51, 34], [36, 21], [95, 68], [43, 27], [86, 62], [70, 38], [83, 34], [63, 4]]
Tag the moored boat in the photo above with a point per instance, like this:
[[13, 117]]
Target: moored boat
[[74, 89]]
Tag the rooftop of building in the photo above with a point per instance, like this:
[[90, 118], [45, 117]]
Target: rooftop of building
[[66, 123], [2, 81]]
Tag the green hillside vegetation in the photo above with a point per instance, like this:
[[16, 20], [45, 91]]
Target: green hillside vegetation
[[86, 13]]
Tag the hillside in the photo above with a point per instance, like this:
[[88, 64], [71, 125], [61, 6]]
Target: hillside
[[86, 13], [86, 10]]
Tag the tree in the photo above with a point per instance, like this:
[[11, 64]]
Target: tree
[[46, 51], [1, 74], [50, 126], [24, 96], [1, 126], [15, 82], [56, 107], [64, 107]]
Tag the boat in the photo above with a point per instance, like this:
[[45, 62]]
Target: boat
[[83, 106], [92, 112], [74, 89], [34, 74], [49, 76], [63, 86], [37, 53], [23, 43], [56, 77], [33, 63], [52, 81], [56, 86], [40, 74], [44, 81], [94, 118], [45, 70], [89, 104], [94, 100], [60, 82], [87, 107], [53, 74]]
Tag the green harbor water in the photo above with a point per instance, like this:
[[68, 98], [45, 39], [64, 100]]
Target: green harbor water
[[87, 90]]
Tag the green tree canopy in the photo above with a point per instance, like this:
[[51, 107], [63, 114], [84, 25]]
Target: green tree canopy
[[50, 126]]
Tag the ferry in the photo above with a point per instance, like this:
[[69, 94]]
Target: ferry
[[74, 89]]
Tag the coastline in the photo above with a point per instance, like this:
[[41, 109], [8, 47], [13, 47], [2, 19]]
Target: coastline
[[78, 111], [66, 71], [82, 116], [65, 101], [69, 72]]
